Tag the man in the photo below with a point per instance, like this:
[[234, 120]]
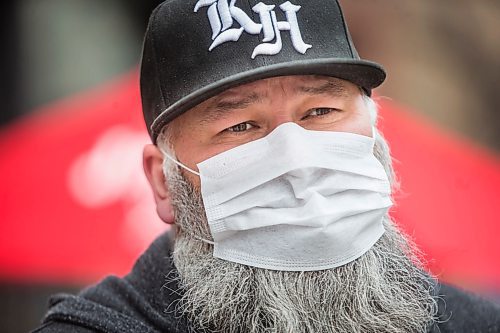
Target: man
[[267, 161]]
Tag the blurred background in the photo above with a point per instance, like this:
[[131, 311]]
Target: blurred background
[[74, 205]]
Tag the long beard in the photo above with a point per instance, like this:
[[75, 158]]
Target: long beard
[[385, 290]]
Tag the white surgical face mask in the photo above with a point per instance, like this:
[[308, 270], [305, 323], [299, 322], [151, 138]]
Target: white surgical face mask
[[295, 200]]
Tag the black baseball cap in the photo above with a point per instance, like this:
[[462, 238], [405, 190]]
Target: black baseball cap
[[195, 49]]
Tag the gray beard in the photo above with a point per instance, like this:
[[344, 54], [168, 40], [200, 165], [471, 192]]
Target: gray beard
[[385, 290]]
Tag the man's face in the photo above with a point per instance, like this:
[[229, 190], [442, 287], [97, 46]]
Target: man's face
[[384, 290], [251, 111]]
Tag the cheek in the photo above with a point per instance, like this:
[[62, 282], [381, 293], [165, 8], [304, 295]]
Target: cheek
[[187, 156], [360, 121], [357, 123], [188, 145], [365, 125], [191, 152]]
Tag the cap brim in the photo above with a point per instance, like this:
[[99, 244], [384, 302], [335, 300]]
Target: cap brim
[[364, 73]]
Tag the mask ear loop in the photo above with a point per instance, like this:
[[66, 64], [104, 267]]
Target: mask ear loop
[[194, 172], [178, 163]]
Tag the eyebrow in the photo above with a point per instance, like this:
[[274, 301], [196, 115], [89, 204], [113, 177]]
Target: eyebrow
[[223, 106], [330, 87]]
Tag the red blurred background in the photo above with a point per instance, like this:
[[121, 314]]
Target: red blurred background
[[75, 206]]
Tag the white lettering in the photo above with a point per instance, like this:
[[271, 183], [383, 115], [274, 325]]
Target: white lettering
[[291, 16], [222, 15]]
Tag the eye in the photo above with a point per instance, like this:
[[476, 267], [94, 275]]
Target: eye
[[319, 112], [241, 127]]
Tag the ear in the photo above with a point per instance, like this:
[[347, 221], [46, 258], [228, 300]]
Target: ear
[[152, 160]]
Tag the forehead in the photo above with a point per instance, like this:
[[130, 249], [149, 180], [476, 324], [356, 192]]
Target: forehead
[[292, 83]]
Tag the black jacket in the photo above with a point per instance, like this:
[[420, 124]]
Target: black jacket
[[144, 301]]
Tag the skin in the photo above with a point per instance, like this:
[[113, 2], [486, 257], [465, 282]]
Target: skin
[[249, 112]]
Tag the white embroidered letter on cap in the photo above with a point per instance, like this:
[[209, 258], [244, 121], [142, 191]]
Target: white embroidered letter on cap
[[267, 24], [270, 48], [291, 16]]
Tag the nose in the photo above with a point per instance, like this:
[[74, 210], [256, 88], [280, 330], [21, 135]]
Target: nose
[[280, 118]]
